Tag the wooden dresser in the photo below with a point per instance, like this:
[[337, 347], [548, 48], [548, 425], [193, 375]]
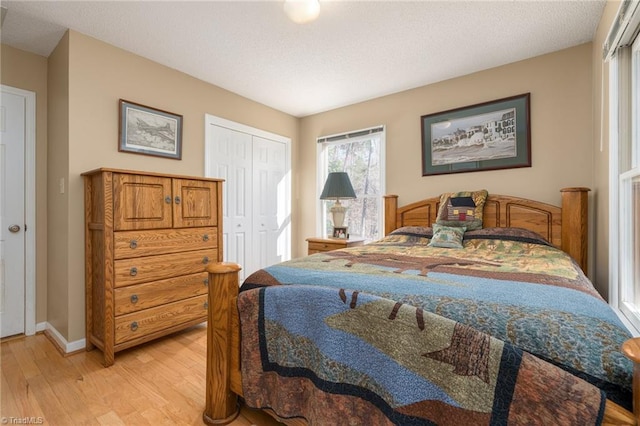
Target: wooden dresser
[[148, 240]]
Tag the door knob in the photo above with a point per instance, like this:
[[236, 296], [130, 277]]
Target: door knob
[[14, 228]]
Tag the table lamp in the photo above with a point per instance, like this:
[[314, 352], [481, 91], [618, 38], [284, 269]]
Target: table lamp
[[336, 187]]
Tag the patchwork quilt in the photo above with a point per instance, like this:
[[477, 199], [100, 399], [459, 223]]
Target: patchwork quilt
[[506, 330]]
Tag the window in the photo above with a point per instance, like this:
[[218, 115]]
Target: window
[[361, 155], [623, 51]]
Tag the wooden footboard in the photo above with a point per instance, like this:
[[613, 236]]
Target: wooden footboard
[[224, 381], [223, 345]]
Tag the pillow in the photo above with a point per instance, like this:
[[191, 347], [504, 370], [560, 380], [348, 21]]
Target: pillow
[[462, 209], [447, 236], [511, 233], [418, 231]]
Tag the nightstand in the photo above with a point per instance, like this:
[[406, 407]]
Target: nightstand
[[318, 245]]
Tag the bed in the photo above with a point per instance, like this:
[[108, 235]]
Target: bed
[[401, 332]]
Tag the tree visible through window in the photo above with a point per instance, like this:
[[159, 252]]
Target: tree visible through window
[[361, 156]]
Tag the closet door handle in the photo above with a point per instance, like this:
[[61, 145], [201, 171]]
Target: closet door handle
[[167, 199], [177, 200]]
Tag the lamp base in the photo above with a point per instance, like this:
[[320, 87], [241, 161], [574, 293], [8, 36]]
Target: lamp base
[[337, 214]]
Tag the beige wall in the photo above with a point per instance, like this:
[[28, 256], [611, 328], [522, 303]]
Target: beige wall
[[560, 84], [601, 150], [100, 74], [28, 71], [81, 83], [59, 295]]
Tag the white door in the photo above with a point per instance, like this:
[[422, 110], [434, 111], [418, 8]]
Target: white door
[[257, 192], [12, 214], [270, 218], [230, 159]]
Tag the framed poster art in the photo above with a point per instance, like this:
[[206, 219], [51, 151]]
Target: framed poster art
[[487, 136], [149, 131]]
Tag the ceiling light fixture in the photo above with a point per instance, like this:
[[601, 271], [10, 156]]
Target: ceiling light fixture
[[302, 11]]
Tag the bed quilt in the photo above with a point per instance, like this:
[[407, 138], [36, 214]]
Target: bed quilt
[[506, 330]]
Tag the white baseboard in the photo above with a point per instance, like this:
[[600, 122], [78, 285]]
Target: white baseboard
[[67, 347]]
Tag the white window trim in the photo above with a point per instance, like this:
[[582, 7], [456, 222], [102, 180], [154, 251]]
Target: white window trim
[[614, 177], [321, 175], [623, 31]]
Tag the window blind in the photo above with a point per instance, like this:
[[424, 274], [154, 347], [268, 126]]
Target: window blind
[[624, 28], [357, 134]]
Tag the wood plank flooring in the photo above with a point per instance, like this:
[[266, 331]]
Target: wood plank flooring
[[158, 383]]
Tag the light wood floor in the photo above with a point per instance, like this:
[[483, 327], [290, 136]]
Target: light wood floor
[[161, 382]]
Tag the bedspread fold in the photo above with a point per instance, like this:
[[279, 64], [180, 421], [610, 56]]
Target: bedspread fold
[[337, 357], [506, 330]]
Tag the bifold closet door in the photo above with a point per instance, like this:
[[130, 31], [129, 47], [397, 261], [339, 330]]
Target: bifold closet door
[[231, 159], [270, 230], [255, 197]]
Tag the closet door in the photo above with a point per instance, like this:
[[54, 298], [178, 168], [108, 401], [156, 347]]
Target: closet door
[[256, 192], [230, 158], [270, 218]]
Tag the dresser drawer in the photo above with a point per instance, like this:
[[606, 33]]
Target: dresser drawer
[[139, 324], [153, 268], [143, 296], [127, 244], [317, 247]]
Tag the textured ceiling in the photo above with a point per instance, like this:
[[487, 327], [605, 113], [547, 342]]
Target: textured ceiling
[[355, 50]]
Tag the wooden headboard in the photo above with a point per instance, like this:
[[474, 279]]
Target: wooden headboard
[[565, 227]]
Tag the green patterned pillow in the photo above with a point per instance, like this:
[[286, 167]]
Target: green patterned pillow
[[447, 236], [462, 209]]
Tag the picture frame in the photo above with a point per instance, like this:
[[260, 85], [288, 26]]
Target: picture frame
[[149, 131], [487, 136], [340, 232]]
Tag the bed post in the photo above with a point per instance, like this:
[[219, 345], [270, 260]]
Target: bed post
[[631, 349], [575, 224], [390, 213], [221, 402]]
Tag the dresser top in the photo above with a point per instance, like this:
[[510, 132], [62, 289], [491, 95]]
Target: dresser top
[[138, 172]]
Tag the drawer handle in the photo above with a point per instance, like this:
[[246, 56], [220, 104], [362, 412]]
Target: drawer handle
[[205, 260], [134, 326], [177, 199], [134, 298], [167, 199], [206, 282], [206, 305], [133, 244], [205, 237], [133, 271]]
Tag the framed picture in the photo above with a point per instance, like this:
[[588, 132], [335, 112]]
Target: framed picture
[[488, 136], [340, 232], [149, 131]]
